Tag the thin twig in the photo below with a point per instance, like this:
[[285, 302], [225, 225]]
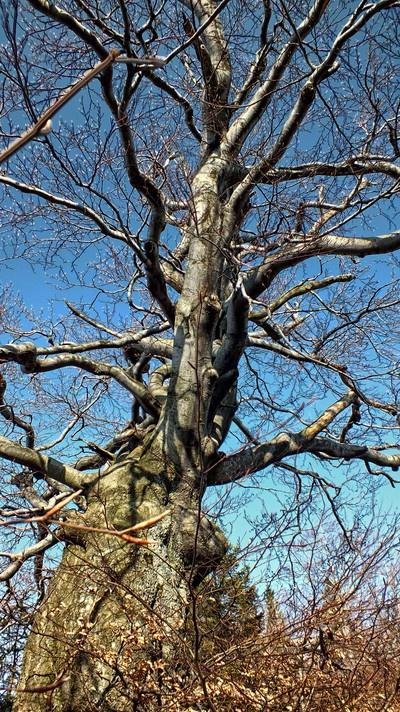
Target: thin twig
[[61, 101]]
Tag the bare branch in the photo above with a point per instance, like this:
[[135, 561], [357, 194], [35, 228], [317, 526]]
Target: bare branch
[[142, 341], [354, 166], [298, 291], [19, 557], [49, 466], [8, 414], [252, 459], [348, 451], [234, 320], [256, 458], [26, 356], [321, 423], [180, 99], [61, 101], [244, 124], [84, 210], [307, 93], [261, 277], [125, 534], [81, 315], [200, 30], [258, 66]]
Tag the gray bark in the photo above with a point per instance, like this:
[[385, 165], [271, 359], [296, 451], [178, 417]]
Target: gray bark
[[114, 610]]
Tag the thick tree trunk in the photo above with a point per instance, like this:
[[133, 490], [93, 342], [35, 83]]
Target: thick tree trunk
[[110, 632]]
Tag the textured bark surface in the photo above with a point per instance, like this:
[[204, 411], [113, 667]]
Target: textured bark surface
[[114, 610]]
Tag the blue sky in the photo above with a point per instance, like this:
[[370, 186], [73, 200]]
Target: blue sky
[[39, 287]]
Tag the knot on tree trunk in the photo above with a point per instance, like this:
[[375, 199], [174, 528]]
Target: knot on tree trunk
[[203, 544]]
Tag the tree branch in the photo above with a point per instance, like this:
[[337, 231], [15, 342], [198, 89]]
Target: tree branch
[[252, 459], [322, 422], [8, 414], [298, 291], [61, 101], [258, 66], [143, 343], [261, 277], [181, 100], [84, 210], [48, 466], [244, 124], [234, 334], [354, 166], [137, 179], [255, 458], [213, 56], [348, 451], [27, 356], [65, 18], [19, 557], [307, 93]]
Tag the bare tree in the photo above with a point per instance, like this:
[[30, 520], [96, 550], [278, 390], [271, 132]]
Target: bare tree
[[208, 198]]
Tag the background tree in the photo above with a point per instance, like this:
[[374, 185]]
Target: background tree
[[331, 645], [208, 205]]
